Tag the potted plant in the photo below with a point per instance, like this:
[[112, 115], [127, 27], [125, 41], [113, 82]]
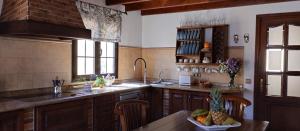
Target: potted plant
[[232, 67], [99, 82]]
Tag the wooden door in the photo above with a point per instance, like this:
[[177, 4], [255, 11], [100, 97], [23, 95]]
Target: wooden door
[[67, 116], [104, 116], [277, 71], [12, 121], [197, 100], [178, 101]]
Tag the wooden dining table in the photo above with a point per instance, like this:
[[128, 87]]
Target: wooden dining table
[[178, 122]]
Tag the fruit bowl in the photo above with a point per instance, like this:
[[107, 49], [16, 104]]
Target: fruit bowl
[[213, 127]]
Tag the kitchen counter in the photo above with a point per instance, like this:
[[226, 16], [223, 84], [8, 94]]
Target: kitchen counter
[[10, 103], [197, 88]]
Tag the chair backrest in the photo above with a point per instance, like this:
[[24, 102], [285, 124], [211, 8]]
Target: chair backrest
[[133, 113], [235, 106]]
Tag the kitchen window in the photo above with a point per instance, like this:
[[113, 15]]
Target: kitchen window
[[93, 57]]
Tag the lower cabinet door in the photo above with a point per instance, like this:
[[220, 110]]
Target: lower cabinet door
[[104, 116], [197, 100], [67, 116], [12, 121], [156, 106], [178, 101]]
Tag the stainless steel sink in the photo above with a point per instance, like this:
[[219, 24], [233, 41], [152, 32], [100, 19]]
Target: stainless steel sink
[[162, 83]]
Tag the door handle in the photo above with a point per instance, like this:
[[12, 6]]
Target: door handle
[[261, 85]]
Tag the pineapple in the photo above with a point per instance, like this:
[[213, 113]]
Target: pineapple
[[216, 107]]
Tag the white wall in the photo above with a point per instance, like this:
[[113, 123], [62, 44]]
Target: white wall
[[160, 31], [132, 29], [131, 25]]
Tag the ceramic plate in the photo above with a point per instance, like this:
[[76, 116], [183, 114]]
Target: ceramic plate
[[213, 127]]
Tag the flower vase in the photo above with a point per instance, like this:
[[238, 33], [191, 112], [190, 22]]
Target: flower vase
[[231, 82]]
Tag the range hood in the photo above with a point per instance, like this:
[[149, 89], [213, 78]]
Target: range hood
[[59, 19]]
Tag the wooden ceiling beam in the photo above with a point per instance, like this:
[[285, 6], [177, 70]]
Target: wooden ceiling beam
[[207, 5], [115, 2], [154, 4]]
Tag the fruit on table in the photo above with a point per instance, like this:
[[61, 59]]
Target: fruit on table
[[208, 120], [201, 119], [216, 106], [199, 112], [229, 121]]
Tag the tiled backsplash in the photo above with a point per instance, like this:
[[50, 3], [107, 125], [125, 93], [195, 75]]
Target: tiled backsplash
[[127, 56], [28, 64], [160, 59], [31, 64], [163, 59]]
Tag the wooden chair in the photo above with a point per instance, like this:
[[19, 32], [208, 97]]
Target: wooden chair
[[235, 106], [133, 113]]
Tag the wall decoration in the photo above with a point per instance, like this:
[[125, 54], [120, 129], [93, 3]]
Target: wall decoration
[[236, 38], [105, 23], [246, 38]]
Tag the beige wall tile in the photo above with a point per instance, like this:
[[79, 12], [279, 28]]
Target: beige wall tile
[[163, 59], [160, 59], [28, 64], [127, 56]]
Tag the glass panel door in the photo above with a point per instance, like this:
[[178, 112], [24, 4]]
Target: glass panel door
[[294, 35], [274, 85], [275, 35]]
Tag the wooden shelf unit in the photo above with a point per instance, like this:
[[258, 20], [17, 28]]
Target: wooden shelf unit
[[190, 41], [199, 64]]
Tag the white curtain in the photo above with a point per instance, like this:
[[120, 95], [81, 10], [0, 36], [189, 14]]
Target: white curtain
[[105, 23]]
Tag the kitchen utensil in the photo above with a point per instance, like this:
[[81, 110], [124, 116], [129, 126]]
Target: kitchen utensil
[[191, 60], [186, 60], [179, 69], [180, 60], [186, 69]]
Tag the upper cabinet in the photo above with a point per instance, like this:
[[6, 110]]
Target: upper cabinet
[[201, 45]]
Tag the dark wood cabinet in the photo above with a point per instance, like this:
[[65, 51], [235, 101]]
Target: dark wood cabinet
[[12, 121], [185, 100], [145, 94], [197, 100], [178, 101], [156, 106], [104, 116], [67, 116]]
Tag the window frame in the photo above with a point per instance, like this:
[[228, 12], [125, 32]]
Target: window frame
[[97, 62]]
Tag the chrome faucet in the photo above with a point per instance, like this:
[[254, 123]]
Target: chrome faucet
[[160, 76], [145, 70]]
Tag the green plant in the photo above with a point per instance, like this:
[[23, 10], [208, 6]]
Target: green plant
[[99, 82]]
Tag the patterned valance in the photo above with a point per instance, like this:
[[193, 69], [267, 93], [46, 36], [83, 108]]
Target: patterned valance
[[105, 23]]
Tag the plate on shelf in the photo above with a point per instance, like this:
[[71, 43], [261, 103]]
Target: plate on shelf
[[213, 127]]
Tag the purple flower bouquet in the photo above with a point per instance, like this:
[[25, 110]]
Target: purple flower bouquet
[[232, 67]]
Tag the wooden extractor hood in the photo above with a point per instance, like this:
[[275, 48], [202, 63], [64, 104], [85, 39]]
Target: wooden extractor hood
[[59, 19]]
